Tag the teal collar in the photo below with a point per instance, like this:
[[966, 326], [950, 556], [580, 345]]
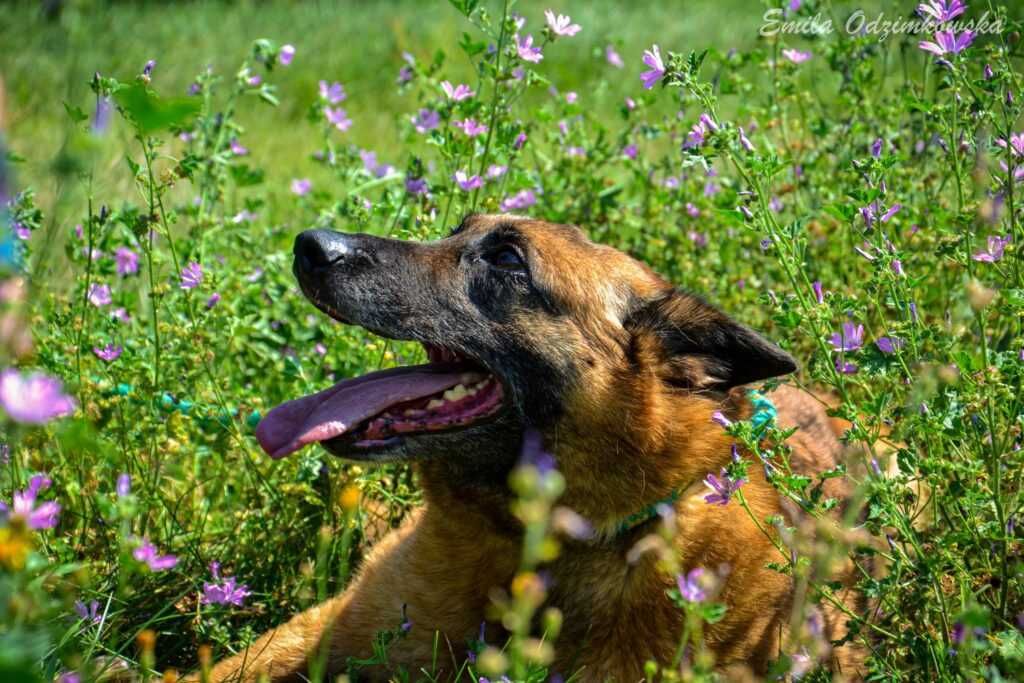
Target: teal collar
[[765, 413]]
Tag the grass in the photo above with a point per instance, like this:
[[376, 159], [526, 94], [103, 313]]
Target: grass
[[177, 410]]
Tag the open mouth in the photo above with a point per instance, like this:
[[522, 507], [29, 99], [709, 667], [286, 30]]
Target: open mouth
[[379, 409]]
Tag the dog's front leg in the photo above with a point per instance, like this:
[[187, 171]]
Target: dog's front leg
[[438, 567]]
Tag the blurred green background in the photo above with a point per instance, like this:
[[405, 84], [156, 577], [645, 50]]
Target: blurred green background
[[47, 60]]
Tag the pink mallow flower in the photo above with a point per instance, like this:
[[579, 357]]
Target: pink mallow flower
[[722, 488], [994, 249], [456, 93], [286, 55], [332, 92], [850, 338], [338, 118], [108, 353], [523, 199], [42, 516], [191, 275], [613, 57], [301, 186], [467, 182], [797, 56], [470, 127], [652, 58], [146, 552], [127, 261], [527, 51], [33, 399], [99, 295], [561, 25], [948, 42], [226, 591]]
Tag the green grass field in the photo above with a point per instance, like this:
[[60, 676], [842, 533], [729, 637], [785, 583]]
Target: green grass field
[[854, 199]]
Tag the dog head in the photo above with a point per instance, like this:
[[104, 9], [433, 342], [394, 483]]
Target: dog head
[[525, 324]]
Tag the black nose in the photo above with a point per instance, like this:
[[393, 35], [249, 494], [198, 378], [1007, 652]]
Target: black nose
[[317, 250]]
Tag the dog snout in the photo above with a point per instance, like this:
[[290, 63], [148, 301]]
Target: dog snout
[[319, 250]]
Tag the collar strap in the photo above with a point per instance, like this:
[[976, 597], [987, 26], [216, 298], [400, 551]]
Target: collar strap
[[765, 413]]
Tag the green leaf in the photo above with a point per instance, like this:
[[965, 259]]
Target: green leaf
[[75, 113], [151, 113]]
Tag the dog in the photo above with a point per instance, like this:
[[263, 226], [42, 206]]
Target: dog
[[529, 325]]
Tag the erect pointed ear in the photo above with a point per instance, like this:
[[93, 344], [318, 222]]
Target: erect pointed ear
[[702, 347]]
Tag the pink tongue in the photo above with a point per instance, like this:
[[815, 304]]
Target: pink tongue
[[332, 412]]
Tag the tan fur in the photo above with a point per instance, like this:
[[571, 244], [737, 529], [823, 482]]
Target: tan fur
[[626, 440]]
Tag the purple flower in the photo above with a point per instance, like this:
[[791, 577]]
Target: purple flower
[[652, 58], [416, 185], [127, 261], [871, 212], [722, 488], [819, 294], [226, 592], [470, 127], [254, 81], [571, 97], [629, 151], [941, 10], [947, 42], [69, 677], [286, 55], [519, 141], [696, 136], [99, 295], [108, 353], [876, 147], [124, 485], [237, 148], [561, 25], [213, 300], [372, 166], [692, 211], [467, 183], [613, 57], [23, 505], [719, 418], [404, 75], [527, 52], [844, 367], [90, 612], [338, 118], [147, 70], [495, 171], [1016, 144], [797, 56], [457, 93], [426, 120], [690, 586], [889, 344], [533, 452], [332, 92], [33, 399], [101, 116], [301, 186], [958, 633], [897, 267], [850, 338], [744, 140], [121, 315], [147, 552], [994, 250], [523, 199], [191, 275]]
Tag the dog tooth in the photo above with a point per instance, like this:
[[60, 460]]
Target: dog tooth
[[455, 393], [435, 403]]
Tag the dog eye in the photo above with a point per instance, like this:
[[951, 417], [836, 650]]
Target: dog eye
[[506, 258]]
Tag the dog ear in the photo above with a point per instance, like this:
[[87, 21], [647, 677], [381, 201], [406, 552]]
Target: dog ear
[[701, 347]]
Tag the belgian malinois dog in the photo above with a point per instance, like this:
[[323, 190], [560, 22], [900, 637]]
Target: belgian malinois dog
[[530, 325]]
